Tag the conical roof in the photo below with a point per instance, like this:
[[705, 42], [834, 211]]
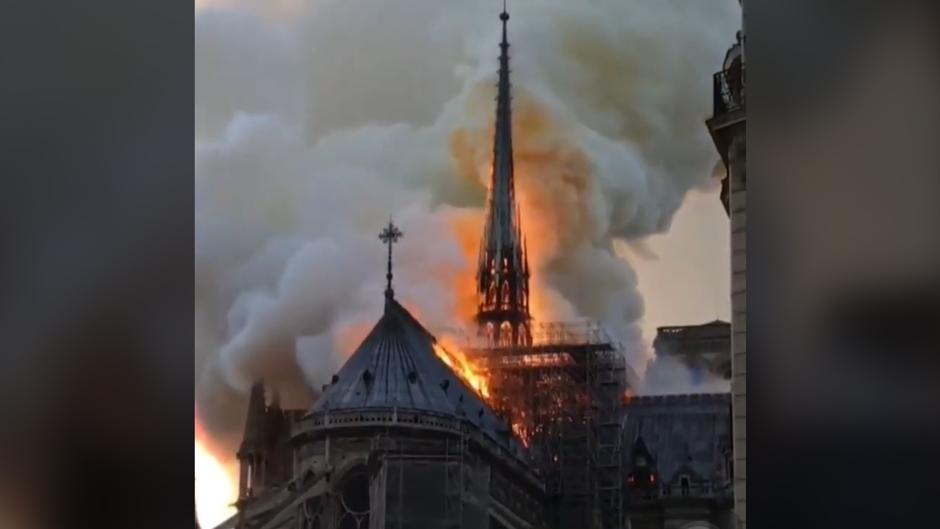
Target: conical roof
[[395, 367]]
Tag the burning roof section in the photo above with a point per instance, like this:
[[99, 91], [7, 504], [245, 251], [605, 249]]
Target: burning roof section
[[396, 368]]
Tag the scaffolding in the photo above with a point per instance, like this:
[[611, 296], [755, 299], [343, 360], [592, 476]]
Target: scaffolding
[[564, 396]]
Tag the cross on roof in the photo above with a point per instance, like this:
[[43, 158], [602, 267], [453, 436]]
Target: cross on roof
[[390, 236]]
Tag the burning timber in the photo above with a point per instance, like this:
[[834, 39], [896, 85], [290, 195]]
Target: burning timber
[[564, 396]]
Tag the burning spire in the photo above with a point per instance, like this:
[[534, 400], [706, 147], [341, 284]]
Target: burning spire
[[503, 270]]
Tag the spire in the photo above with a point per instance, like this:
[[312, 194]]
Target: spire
[[502, 186], [390, 236], [254, 437], [503, 279]]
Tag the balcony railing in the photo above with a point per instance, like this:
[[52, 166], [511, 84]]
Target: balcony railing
[[729, 90]]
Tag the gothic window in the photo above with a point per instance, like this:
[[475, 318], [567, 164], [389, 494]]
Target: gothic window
[[505, 333], [247, 479], [311, 514], [252, 476], [504, 294], [491, 295], [490, 332], [354, 499]]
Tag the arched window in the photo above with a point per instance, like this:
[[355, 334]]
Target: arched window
[[684, 485], [491, 332], [505, 333], [311, 514], [491, 295], [354, 499], [504, 295]]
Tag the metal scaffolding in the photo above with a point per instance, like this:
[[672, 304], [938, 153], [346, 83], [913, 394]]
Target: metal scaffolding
[[564, 396]]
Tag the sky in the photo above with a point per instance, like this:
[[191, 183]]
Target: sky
[[684, 274]]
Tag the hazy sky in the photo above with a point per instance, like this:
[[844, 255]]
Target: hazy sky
[[684, 274]]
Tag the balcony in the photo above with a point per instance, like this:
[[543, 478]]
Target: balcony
[[728, 118], [729, 90]]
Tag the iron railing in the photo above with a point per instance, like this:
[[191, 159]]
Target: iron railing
[[729, 89]]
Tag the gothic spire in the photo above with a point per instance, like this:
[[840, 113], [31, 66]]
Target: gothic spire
[[502, 194], [503, 279], [255, 420]]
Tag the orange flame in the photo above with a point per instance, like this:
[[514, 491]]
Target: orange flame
[[467, 228], [216, 485], [522, 433], [628, 395], [553, 182], [464, 368]]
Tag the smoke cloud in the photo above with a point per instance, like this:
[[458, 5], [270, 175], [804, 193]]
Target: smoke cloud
[[317, 120], [667, 375]]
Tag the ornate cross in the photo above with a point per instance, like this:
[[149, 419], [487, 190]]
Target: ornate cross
[[390, 236]]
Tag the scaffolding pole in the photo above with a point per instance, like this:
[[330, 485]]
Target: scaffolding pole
[[564, 397]]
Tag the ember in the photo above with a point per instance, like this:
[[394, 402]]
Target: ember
[[461, 365], [628, 396]]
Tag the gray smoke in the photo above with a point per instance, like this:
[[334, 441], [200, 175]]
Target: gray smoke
[[667, 375], [316, 121]]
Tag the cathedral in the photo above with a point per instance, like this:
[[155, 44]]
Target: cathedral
[[396, 439]]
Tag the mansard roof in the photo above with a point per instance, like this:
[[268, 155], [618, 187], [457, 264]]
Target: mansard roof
[[683, 433], [396, 368]]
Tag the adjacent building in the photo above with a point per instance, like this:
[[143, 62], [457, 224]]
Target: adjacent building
[[705, 349], [729, 132], [678, 462]]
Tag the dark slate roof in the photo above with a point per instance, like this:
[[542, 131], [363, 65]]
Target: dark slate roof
[[682, 432], [396, 367]]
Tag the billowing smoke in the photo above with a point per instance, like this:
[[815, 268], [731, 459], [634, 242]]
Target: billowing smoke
[[669, 375], [317, 120]]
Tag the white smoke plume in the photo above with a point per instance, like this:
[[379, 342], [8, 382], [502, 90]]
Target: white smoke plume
[[666, 375], [317, 120]]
